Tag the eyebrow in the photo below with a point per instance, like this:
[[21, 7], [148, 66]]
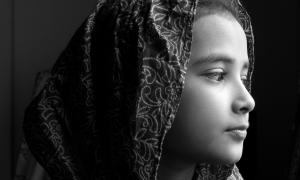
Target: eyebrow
[[215, 58]]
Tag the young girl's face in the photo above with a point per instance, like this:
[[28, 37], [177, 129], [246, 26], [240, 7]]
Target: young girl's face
[[215, 99]]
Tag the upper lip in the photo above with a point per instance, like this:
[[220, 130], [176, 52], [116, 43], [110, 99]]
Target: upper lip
[[239, 127]]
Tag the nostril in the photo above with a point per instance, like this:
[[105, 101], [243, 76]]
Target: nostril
[[242, 106], [244, 110], [247, 107]]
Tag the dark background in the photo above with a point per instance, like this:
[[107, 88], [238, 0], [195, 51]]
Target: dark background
[[268, 147], [32, 35], [34, 32]]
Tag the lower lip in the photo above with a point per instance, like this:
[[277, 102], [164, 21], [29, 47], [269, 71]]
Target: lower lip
[[238, 134]]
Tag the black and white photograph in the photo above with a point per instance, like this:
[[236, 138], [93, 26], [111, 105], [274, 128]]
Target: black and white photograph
[[149, 90]]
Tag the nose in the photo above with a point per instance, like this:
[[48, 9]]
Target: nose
[[243, 101]]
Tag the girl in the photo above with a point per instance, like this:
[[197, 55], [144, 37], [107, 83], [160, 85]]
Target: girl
[[145, 90], [212, 120]]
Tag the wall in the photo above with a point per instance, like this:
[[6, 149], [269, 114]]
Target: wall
[[6, 53], [276, 29]]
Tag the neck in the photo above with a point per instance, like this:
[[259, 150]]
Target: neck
[[174, 168]]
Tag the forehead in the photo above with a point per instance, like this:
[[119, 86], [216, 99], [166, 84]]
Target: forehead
[[215, 34]]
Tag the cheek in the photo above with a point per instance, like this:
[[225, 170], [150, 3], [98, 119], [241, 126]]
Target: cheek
[[201, 111], [200, 118], [198, 130]]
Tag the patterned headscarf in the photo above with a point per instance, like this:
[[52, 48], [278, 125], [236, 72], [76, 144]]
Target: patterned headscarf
[[114, 92]]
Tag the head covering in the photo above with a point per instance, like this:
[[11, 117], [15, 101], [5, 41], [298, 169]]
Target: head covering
[[114, 92]]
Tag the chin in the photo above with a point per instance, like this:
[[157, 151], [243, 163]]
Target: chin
[[231, 159], [232, 155], [228, 155]]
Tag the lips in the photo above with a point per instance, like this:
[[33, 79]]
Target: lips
[[242, 127], [238, 132]]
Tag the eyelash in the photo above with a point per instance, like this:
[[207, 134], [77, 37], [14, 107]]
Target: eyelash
[[216, 74], [222, 75]]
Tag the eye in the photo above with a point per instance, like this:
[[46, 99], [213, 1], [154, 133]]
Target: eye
[[245, 80], [216, 76]]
